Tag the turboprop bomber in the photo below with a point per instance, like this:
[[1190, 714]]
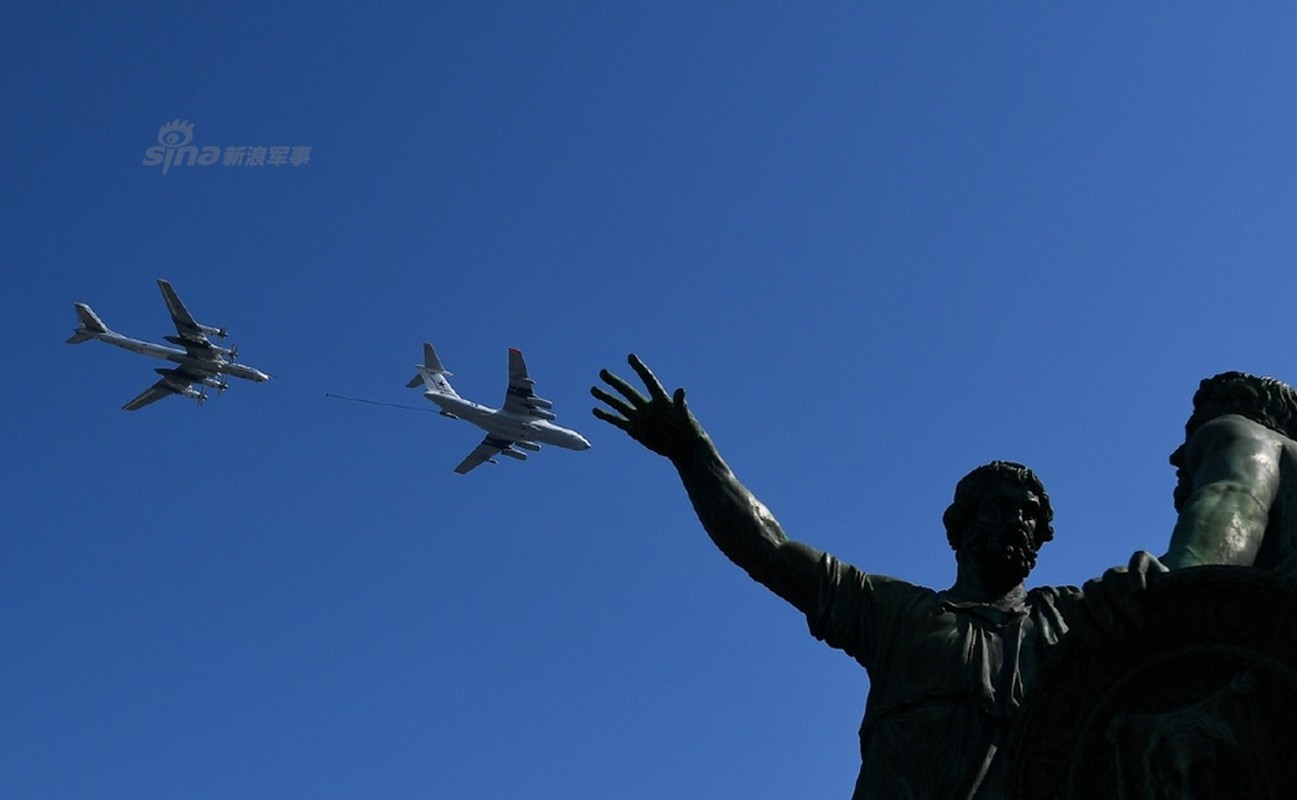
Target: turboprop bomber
[[198, 361], [524, 423]]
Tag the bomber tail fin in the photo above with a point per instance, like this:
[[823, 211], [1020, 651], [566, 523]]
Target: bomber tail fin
[[89, 326], [432, 374]]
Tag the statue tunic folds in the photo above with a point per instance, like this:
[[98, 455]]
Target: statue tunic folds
[[947, 676]]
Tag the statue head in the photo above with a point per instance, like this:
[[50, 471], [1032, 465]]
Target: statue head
[[999, 519], [1265, 401]]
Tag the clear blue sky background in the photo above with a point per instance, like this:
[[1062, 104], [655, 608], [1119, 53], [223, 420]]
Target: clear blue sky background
[[879, 243]]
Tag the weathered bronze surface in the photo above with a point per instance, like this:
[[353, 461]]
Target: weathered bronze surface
[[1178, 684], [948, 669], [1197, 697], [1236, 490], [1199, 702]]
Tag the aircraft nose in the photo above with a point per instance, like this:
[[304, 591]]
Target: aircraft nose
[[585, 445]]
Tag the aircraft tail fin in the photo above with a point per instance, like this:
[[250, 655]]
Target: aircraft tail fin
[[90, 324], [432, 374]]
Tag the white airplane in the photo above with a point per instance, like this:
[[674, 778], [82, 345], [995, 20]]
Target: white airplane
[[200, 362], [526, 420]]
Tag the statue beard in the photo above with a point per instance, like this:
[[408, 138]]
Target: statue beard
[[1183, 489], [1004, 556]]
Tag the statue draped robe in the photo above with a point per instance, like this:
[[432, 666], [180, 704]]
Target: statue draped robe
[[946, 677]]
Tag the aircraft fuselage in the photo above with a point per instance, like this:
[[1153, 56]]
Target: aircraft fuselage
[[507, 426], [176, 355]]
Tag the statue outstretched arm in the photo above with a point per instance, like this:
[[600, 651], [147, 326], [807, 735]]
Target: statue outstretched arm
[[1234, 466], [739, 524]]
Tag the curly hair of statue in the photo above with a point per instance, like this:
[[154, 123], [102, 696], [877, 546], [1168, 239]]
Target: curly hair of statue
[[971, 488], [1263, 400]]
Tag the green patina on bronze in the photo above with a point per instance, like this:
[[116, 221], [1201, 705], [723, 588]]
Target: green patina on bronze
[[1168, 686], [948, 669], [1236, 491]]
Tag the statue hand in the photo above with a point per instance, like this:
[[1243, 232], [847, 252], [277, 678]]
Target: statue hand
[[1114, 604], [660, 422]]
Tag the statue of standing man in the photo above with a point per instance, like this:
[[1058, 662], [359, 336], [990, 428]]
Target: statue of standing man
[[948, 669]]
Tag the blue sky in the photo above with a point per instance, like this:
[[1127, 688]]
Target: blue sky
[[879, 243]]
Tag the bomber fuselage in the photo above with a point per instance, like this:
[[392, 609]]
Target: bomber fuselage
[[215, 364]]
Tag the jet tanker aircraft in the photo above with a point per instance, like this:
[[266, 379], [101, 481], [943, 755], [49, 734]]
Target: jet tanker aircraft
[[525, 422], [199, 362]]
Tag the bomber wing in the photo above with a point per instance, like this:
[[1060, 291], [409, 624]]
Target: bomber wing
[[152, 394], [188, 328], [174, 381], [192, 334], [519, 399]]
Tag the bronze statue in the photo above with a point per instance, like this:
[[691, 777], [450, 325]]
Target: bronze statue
[[1200, 699], [1237, 475], [948, 669]]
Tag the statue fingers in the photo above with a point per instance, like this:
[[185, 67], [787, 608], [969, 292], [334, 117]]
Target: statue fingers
[[615, 403], [1113, 605], [1125, 594], [611, 419], [629, 392], [1100, 623], [1145, 567], [680, 407], [654, 386]]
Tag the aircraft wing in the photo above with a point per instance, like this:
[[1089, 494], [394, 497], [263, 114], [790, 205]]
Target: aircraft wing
[[519, 399], [174, 381], [152, 394], [486, 451], [192, 334]]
